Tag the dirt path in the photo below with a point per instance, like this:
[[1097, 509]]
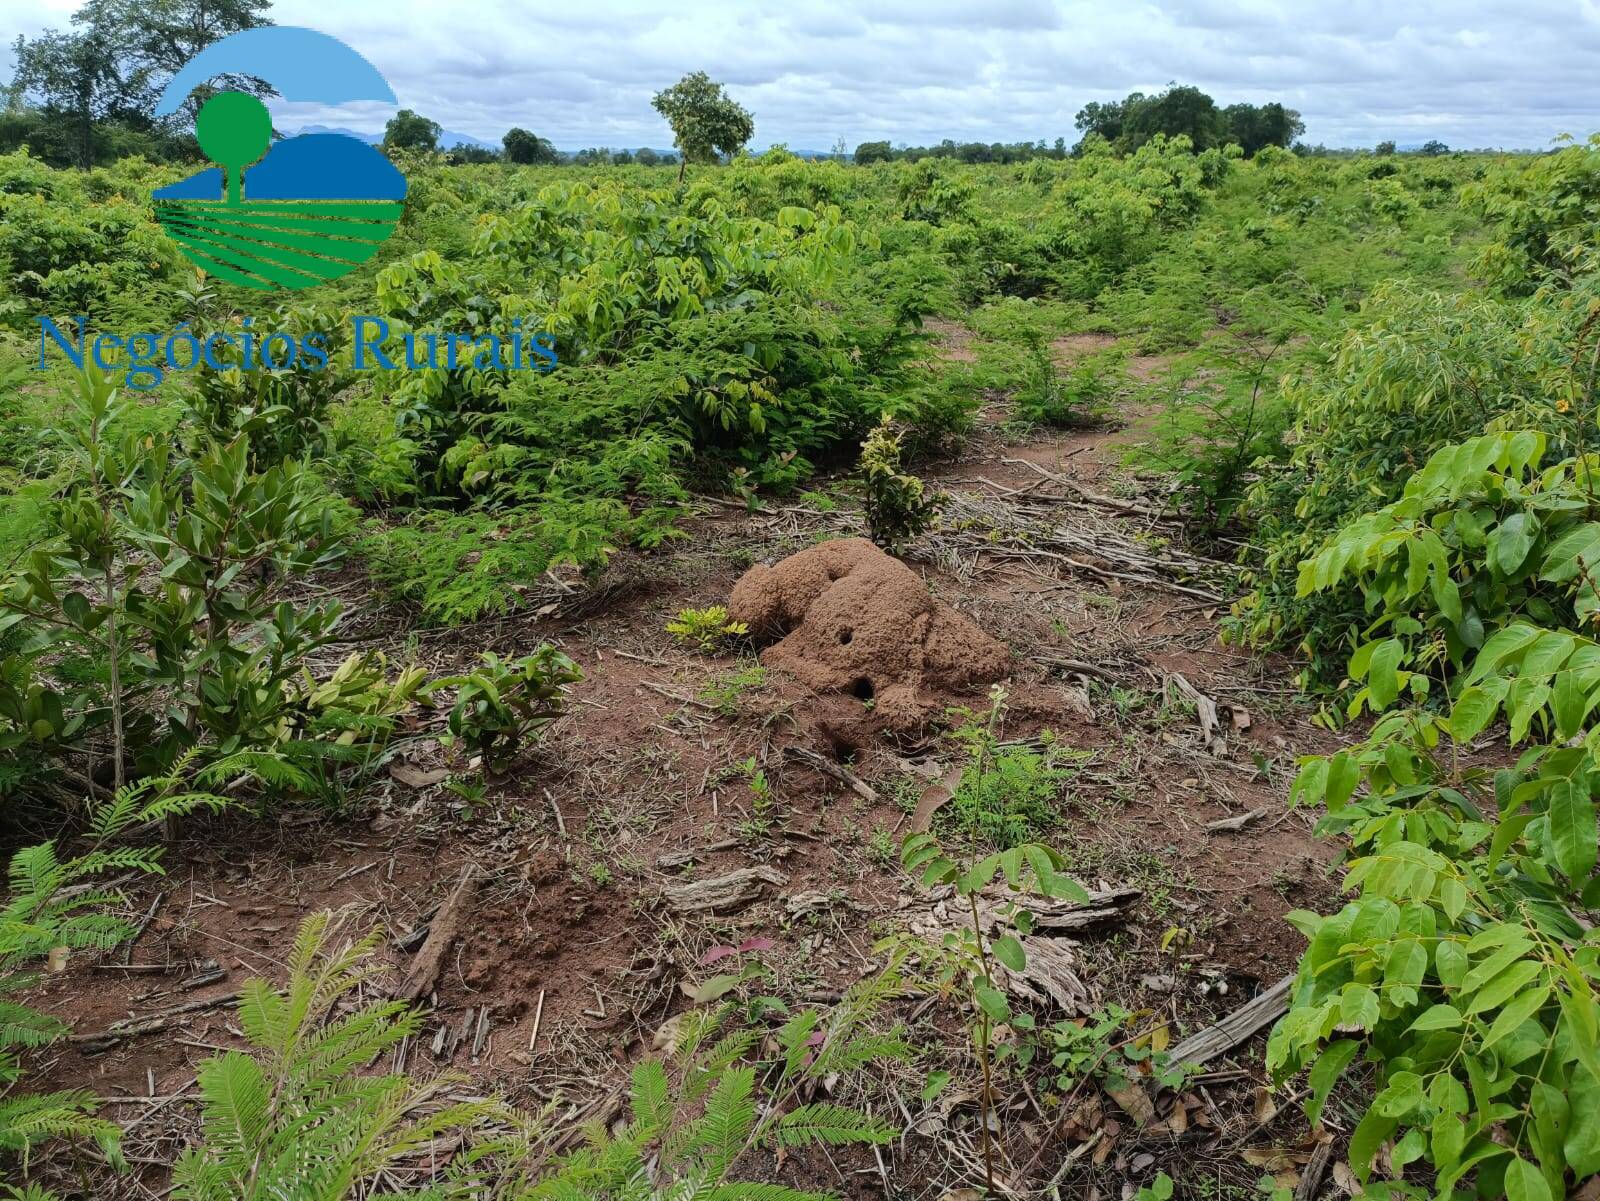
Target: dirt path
[[646, 785]]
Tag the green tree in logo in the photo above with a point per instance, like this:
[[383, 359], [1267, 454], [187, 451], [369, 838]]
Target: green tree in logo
[[234, 130]]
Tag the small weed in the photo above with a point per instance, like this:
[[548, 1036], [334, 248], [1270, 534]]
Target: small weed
[[727, 691], [707, 630], [881, 848], [1017, 797]]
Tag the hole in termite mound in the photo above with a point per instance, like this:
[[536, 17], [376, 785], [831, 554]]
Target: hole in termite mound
[[861, 688]]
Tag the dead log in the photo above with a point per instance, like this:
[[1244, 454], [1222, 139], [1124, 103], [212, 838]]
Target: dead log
[[719, 894], [1049, 974], [1264, 1009], [424, 971]]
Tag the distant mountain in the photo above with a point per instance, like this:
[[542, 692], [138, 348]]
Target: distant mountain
[[447, 137]]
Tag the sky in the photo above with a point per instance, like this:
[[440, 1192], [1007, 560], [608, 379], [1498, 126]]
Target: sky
[[1467, 72]]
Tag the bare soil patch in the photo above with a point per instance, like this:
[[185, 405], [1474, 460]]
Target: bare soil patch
[[573, 954]]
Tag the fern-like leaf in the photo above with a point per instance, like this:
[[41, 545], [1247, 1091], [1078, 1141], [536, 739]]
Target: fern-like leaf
[[824, 1122]]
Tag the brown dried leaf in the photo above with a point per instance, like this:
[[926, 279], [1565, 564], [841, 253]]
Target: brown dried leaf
[[1265, 1107], [1135, 1102], [1268, 1159], [417, 777]]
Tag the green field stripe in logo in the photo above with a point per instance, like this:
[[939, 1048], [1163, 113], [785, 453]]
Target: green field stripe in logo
[[365, 210], [285, 276], [316, 255], [223, 271], [361, 231]]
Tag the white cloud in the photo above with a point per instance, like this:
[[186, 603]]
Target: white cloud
[[1472, 72]]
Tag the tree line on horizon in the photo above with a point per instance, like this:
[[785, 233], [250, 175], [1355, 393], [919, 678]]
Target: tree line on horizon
[[87, 95]]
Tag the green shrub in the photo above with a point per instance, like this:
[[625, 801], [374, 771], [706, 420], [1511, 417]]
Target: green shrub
[[705, 629], [500, 704], [898, 506], [296, 1116]]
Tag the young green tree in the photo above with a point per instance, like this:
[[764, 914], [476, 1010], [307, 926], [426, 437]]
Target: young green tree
[[112, 65], [705, 120], [872, 152], [407, 130], [524, 147], [77, 81]]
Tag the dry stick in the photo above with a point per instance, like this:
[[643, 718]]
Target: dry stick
[[1095, 498], [837, 771], [1312, 1178], [538, 1017], [1239, 1025], [151, 1023], [144, 924]]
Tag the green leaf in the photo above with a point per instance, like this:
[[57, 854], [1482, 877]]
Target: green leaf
[[1325, 1073], [1358, 1007], [1503, 987], [935, 1086], [1009, 952], [1383, 676], [1524, 1182], [1514, 1014], [1582, 1144], [1440, 1017], [1474, 710], [1572, 829], [1450, 962], [1511, 540], [993, 1002], [1371, 1133], [1577, 549]]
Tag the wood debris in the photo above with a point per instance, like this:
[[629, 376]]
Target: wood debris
[[718, 894], [837, 771], [150, 1023], [1229, 825], [424, 971], [1238, 1026], [1205, 713]]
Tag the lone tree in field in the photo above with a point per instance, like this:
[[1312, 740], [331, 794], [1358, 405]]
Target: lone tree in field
[[705, 120], [524, 147], [410, 131]]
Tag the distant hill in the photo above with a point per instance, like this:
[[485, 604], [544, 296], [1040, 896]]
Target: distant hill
[[447, 137]]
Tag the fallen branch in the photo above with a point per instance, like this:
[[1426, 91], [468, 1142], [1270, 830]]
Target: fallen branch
[[150, 1023], [1264, 1009], [828, 767], [1126, 507], [1205, 712], [424, 971], [1060, 917], [1229, 825]]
